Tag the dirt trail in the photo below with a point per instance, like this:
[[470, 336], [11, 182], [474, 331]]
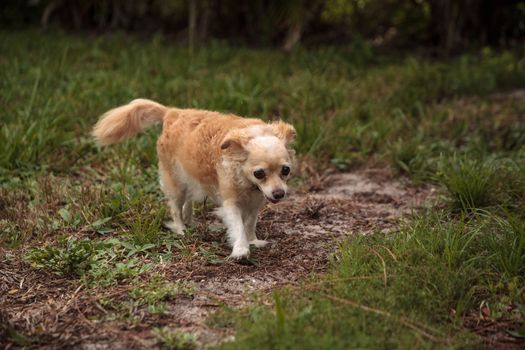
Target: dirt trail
[[303, 230]]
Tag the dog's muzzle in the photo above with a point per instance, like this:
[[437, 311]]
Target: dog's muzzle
[[277, 194]]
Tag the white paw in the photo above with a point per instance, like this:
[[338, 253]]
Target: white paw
[[175, 227], [240, 253], [259, 243]]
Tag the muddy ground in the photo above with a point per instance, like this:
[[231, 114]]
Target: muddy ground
[[303, 231]]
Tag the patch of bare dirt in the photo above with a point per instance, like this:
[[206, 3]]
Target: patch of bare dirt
[[303, 231], [495, 333]]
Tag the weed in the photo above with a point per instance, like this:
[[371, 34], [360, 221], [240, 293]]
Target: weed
[[508, 245], [146, 296], [96, 262], [470, 183], [156, 291], [72, 256], [106, 272], [10, 233], [409, 157], [145, 230], [15, 336], [175, 340]]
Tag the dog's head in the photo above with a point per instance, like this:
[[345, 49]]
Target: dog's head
[[265, 155]]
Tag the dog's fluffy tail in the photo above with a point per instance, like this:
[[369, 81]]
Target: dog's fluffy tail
[[125, 121]]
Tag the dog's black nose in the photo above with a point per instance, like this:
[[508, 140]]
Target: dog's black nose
[[278, 194]]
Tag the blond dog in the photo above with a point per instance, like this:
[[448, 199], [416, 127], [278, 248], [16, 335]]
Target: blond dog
[[237, 162]]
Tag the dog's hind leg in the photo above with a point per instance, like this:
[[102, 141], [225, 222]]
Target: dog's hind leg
[[187, 212], [175, 193], [176, 225]]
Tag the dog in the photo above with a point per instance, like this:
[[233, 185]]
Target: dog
[[237, 162]]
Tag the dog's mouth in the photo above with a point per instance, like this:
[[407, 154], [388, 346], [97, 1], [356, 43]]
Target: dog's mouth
[[273, 200]]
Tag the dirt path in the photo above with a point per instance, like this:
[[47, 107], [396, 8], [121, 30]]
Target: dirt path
[[304, 231]]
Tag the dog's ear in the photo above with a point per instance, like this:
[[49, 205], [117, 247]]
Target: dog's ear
[[284, 131], [234, 141], [231, 144]]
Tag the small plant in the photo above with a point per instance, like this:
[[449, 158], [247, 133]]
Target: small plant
[[71, 257], [10, 234], [154, 293], [102, 262], [508, 245], [149, 296], [146, 228], [104, 271], [175, 340], [17, 337], [408, 156], [471, 184]]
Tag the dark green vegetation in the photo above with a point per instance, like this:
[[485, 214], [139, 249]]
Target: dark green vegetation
[[449, 25], [94, 216]]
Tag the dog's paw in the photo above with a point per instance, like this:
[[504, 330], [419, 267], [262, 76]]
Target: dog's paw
[[175, 227], [239, 253], [259, 243]]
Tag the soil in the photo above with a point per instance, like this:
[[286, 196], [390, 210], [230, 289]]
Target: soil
[[303, 230]]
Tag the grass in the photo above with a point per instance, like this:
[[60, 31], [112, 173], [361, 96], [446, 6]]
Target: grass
[[148, 296], [94, 216], [420, 287], [328, 95], [175, 340], [471, 184]]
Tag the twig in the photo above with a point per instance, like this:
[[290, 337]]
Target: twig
[[389, 252], [67, 303], [384, 265]]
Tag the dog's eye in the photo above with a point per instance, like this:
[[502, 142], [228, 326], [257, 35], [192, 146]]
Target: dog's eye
[[259, 174], [285, 170]]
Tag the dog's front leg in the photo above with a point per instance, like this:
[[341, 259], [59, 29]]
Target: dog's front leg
[[250, 221], [231, 215]]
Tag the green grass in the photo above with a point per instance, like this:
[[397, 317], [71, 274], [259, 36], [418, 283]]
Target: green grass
[[148, 296], [490, 183], [344, 108], [95, 215], [416, 288], [175, 340], [471, 184]]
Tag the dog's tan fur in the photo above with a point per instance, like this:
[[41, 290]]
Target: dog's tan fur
[[203, 153]]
